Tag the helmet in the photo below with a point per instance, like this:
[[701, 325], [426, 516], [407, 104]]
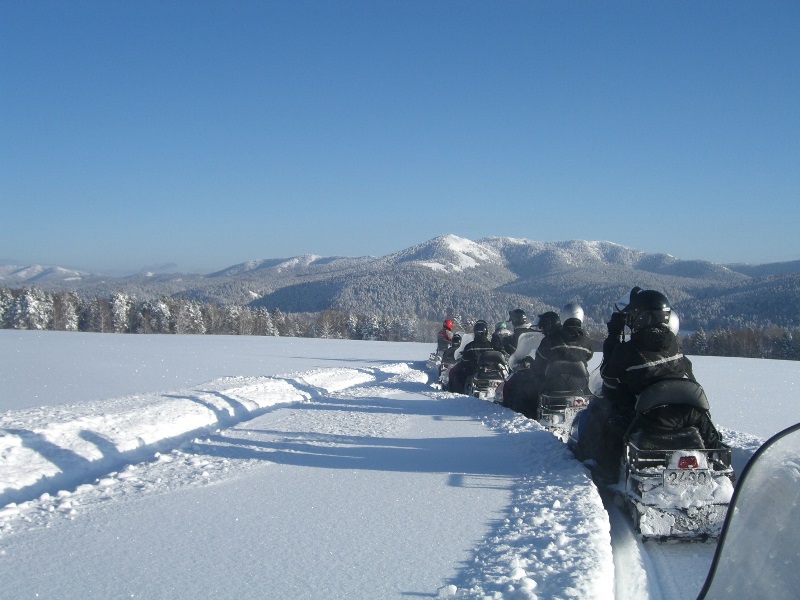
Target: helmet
[[456, 341], [480, 329], [501, 326], [674, 322], [572, 310], [448, 324], [648, 308], [517, 317], [546, 322]]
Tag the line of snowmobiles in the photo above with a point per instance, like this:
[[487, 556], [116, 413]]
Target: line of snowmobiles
[[668, 482]]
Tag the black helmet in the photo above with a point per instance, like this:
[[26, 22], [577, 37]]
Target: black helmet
[[546, 322], [456, 341], [648, 308], [480, 329], [517, 317]]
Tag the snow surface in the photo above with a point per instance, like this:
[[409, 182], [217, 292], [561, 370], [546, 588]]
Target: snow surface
[[239, 467]]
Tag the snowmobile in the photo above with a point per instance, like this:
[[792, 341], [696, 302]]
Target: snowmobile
[[444, 359], [564, 394], [671, 485], [521, 359], [492, 371], [527, 344], [434, 361], [444, 368]]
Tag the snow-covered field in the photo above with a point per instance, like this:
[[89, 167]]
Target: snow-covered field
[[238, 467]]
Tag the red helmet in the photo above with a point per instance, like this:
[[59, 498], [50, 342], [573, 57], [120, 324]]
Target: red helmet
[[448, 324]]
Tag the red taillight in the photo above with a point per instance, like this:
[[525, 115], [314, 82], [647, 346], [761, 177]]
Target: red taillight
[[687, 462]]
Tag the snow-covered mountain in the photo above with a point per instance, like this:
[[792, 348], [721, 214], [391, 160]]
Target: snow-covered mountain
[[37, 274], [450, 254], [461, 276]]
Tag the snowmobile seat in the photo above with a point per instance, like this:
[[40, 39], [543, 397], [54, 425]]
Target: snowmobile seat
[[672, 391], [566, 376]]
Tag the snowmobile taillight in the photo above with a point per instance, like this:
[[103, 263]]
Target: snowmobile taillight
[[687, 462]]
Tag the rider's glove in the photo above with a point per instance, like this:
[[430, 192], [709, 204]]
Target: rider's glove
[[616, 323]]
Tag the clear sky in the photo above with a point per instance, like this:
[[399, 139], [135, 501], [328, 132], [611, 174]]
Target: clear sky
[[196, 134]]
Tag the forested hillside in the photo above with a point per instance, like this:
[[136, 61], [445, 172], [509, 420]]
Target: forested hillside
[[452, 276]]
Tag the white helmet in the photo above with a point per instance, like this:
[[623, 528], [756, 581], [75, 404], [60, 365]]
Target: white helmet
[[674, 322], [572, 310]]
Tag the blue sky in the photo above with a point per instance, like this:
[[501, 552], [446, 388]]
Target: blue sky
[[138, 135]]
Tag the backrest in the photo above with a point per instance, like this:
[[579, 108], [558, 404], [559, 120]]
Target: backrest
[[672, 391], [662, 438], [491, 357], [566, 375], [572, 368]]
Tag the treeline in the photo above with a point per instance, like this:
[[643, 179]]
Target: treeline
[[749, 342], [32, 308]]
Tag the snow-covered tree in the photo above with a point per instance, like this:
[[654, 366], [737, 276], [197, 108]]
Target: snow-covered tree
[[121, 312], [96, 316], [189, 317], [262, 322], [66, 310], [371, 328], [697, 343], [281, 322], [6, 300], [159, 316], [786, 346], [215, 315], [31, 309], [352, 327], [238, 320]]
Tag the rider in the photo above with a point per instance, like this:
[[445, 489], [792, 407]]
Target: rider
[[565, 343], [444, 337], [521, 325], [651, 354], [450, 354], [501, 332], [521, 391], [468, 363]]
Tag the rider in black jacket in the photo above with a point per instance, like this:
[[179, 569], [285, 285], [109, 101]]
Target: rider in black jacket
[[651, 354], [467, 364], [566, 342], [521, 325]]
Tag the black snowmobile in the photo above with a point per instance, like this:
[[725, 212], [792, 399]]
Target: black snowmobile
[[564, 394], [672, 486], [492, 371]]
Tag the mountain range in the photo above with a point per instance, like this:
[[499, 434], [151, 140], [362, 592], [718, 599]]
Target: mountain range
[[450, 275]]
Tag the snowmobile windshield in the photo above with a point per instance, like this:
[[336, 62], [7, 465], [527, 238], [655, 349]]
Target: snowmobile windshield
[[621, 304], [757, 555]]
